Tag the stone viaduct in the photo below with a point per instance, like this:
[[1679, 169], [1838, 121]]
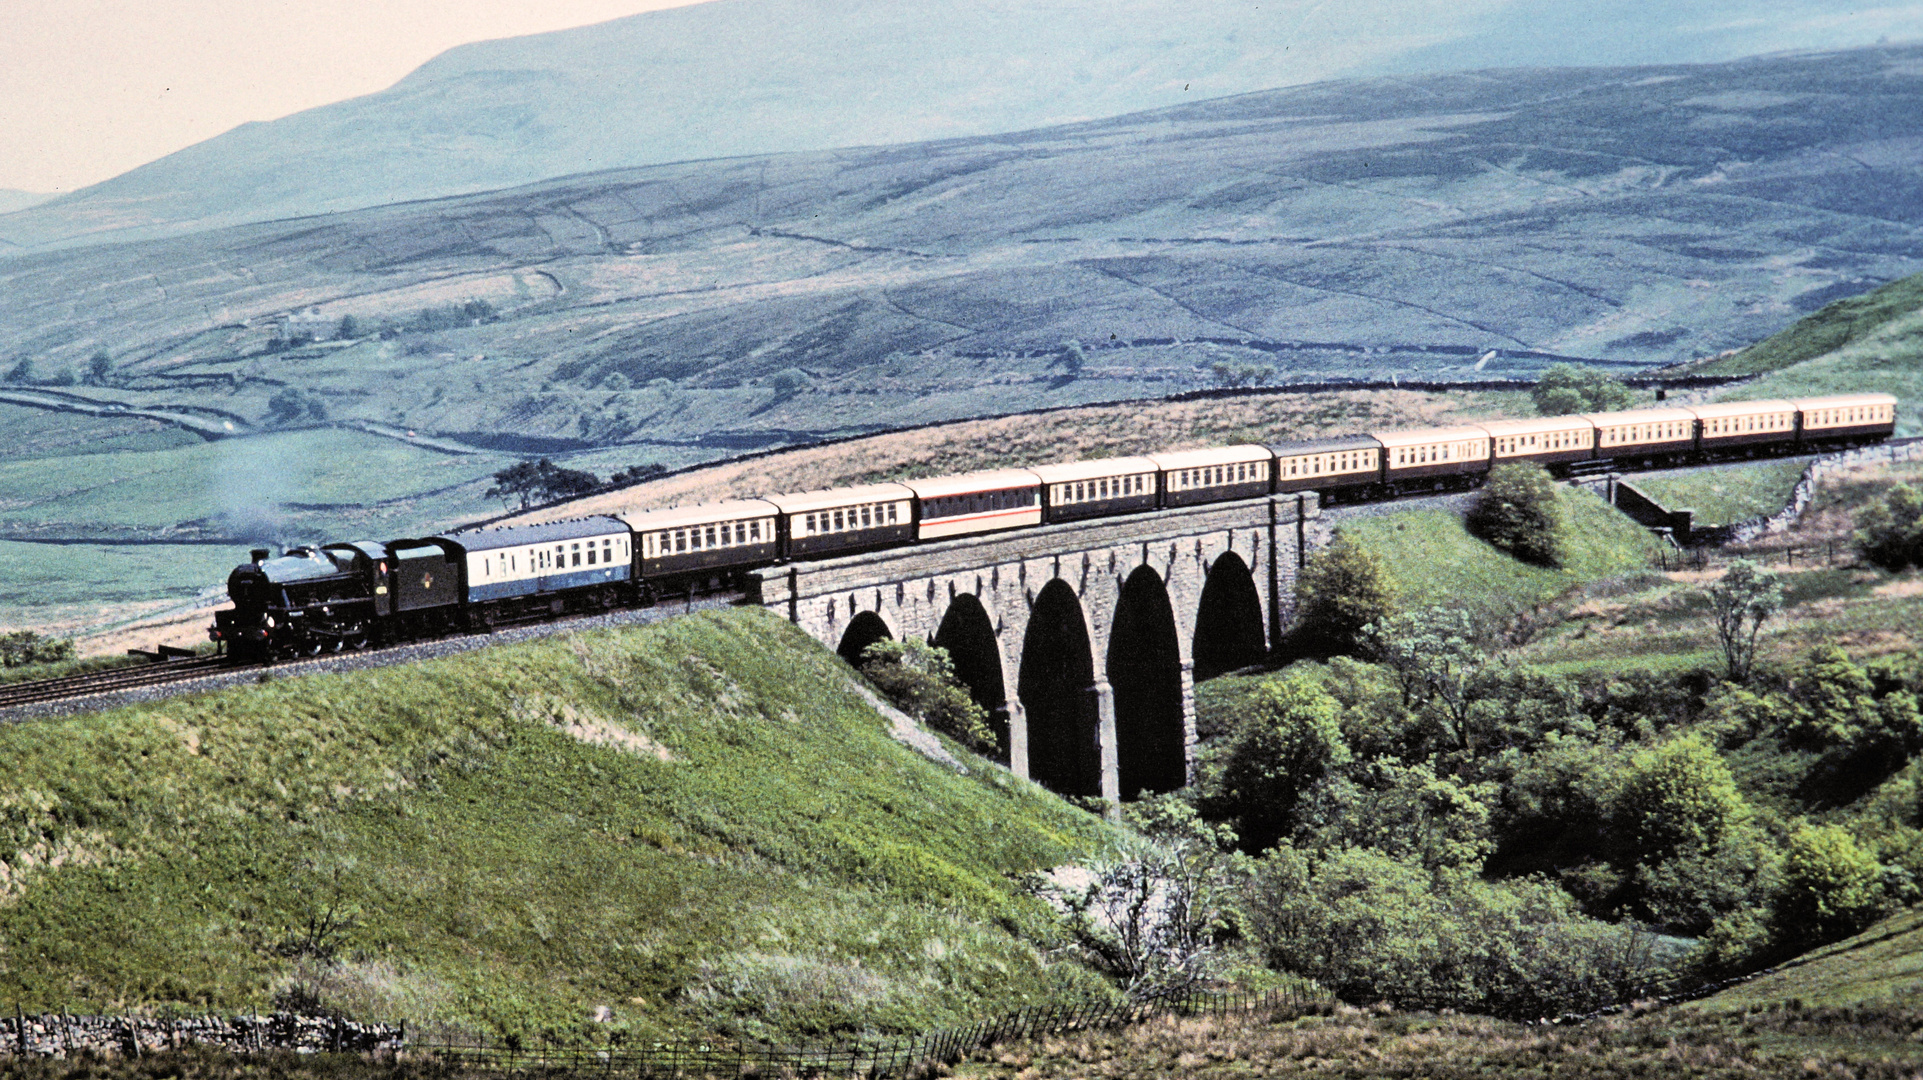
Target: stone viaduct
[[1084, 640]]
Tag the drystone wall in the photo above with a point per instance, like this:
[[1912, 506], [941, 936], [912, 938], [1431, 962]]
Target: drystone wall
[[1782, 520], [61, 1036]]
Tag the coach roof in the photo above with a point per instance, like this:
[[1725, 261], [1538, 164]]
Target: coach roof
[[802, 502], [1339, 445], [968, 483], [1093, 470], [509, 536], [676, 517]]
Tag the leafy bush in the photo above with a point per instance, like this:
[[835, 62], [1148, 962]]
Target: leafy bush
[[1157, 917], [1341, 589], [1832, 886], [788, 382], [1286, 739], [1565, 388], [1889, 532], [1677, 795], [1405, 811], [23, 647], [920, 679], [1518, 511], [1373, 927]]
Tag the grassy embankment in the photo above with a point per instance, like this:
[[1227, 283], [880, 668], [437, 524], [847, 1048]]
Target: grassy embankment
[[700, 827]]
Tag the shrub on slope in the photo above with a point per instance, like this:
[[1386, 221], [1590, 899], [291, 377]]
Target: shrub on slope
[[698, 826]]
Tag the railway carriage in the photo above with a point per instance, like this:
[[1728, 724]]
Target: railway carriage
[[1546, 440], [1845, 420], [1086, 489], [1341, 468], [1739, 427], [1648, 435], [976, 503], [842, 521], [702, 544], [520, 569], [1216, 475], [1433, 459]]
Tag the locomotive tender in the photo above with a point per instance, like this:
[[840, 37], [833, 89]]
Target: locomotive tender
[[313, 600]]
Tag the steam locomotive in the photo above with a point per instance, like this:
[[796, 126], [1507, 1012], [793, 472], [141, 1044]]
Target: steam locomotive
[[311, 600]]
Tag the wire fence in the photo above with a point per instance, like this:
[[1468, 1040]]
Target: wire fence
[[866, 1058], [1799, 557]]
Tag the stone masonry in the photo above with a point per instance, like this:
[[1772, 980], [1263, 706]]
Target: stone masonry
[[910, 589]]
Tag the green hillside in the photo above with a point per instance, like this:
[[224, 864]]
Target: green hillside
[[699, 826], [1856, 319], [1880, 966], [1432, 559]]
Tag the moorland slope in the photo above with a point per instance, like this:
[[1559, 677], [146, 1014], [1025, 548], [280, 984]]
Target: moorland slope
[[701, 828]]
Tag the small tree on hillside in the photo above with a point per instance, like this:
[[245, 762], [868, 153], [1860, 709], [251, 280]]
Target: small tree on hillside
[[1071, 359], [1889, 531], [1742, 601], [1287, 737], [100, 368], [788, 382], [1518, 511], [1342, 589], [540, 481], [1565, 388]]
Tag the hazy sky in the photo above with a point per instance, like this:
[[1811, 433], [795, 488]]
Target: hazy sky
[[92, 88]]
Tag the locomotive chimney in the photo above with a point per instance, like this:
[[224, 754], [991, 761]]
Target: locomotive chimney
[[258, 555]]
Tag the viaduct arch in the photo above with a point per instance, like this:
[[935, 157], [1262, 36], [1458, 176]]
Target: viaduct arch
[[1084, 641]]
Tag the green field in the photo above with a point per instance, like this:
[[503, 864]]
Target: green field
[[308, 485], [74, 585], [699, 826]]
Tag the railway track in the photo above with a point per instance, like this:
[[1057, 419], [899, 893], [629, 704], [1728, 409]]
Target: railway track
[[104, 682], [45, 691]]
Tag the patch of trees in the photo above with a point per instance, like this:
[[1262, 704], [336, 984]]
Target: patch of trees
[[291, 404], [23, 373], [920, 679], [22, 647], [1562, 389], [1236, 373], [1435, 824], [541, 482]]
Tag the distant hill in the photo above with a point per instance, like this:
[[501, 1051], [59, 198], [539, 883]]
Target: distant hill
[[12, 199], [748, 77], [1451, 227]]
